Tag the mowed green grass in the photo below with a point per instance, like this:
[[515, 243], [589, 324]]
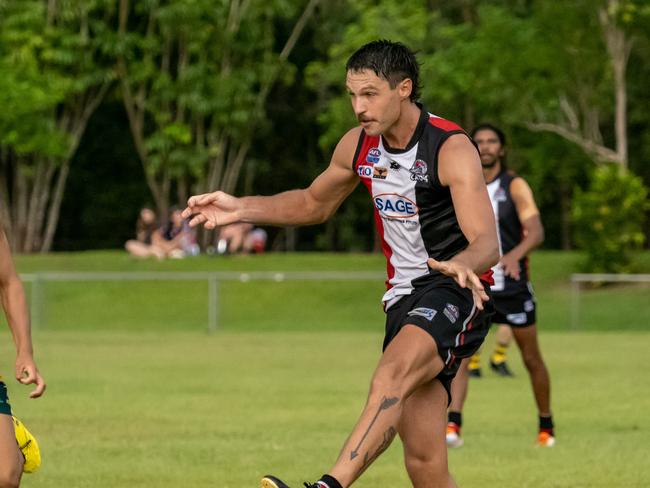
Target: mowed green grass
[[183, 409], [141, 396], [294, 305]]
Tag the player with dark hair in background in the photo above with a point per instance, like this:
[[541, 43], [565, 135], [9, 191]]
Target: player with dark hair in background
[[439, 236], [520, 231]]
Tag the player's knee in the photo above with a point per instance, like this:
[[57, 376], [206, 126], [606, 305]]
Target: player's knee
[[427, 466], [389, 380], [533, 361]]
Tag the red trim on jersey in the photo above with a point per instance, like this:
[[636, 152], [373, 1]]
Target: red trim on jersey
[[444, 124], [368, 143], [488, 277]]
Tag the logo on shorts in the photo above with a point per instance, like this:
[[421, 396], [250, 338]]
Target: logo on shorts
[[516, 318], [427, 313], [451, 312], [529, 306], [419, 171], [379, 172], [373, 156]]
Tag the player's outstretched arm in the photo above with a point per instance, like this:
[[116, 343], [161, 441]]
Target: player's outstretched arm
[[311, 205], [459, 167], [531, 223], [15, 307]]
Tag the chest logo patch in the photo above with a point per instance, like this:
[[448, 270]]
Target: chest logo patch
[[379, 172], [394, 206], [500, 195], [419, 171], [373, 156], [364, 171]]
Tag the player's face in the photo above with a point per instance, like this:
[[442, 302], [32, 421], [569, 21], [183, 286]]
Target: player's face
[[375, 104], [489, 146]]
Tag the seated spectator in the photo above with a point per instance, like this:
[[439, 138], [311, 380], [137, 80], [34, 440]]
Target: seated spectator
[[241, 238], [178, 238], [146, 239]]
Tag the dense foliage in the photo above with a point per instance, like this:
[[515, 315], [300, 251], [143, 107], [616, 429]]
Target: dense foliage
[[111, 105]]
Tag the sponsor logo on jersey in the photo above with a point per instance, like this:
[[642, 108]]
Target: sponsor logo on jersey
[[500, 195], [379, 172], [427, 313], [451, 312], [364, 171], [419, 171], [373, 156], [516, 318], [394, 165], [394, 206]]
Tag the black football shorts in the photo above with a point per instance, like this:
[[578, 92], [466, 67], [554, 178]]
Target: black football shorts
[[447, 312], [515, 310]]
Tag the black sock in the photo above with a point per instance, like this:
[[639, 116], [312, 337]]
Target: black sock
[[457, 418], [546, 424], [330, 481]]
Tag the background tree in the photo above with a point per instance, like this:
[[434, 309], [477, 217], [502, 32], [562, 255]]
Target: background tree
[[195, 76], [52, 55]]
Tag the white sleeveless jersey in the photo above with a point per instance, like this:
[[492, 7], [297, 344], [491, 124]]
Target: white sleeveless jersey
[[414, 213]]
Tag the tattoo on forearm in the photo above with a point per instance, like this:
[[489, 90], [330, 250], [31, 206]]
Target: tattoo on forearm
[[385, 404]]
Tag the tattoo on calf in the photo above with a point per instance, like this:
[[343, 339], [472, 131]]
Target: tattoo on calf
[[385, 404], [389, 435]]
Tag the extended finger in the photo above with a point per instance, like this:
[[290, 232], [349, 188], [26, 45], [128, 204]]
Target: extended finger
[[198, 219], [461, 279], [206, 199], [191, 202], [438, 265], [478, 300]]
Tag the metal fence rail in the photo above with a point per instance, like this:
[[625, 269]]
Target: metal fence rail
[[579, 278], [37, 281]]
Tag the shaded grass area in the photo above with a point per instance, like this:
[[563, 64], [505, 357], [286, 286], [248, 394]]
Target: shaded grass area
[[170, 409], [258, 305]]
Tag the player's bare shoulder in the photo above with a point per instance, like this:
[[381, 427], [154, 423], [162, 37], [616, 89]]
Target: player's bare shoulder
[[346, 148], [456, 155], [519, 187]]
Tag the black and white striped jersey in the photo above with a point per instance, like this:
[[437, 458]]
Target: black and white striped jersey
[[414, 212], [510, 233]]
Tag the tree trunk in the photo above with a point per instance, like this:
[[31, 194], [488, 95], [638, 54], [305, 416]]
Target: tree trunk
[[55, 206]]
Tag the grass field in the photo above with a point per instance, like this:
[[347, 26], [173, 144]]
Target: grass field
[[294, 305], [186, 410], [140, 396]]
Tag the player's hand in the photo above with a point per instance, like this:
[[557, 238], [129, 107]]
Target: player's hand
[[464, 276], [27, 374], [510, 265], [212, 209]]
